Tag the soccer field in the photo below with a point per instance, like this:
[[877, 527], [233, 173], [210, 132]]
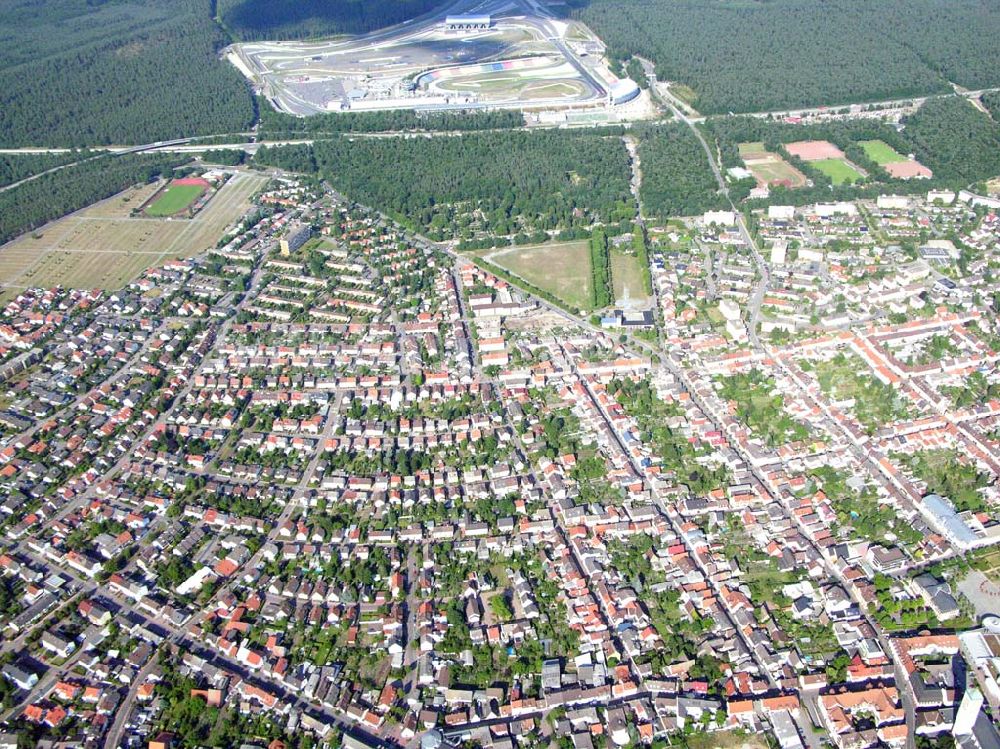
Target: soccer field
[[838, 170], [881, 152], [768, 167], [174, 200]]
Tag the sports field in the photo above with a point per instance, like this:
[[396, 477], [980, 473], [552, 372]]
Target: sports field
[[839, 171], [769, 168], [814, 150], [881, 152], [561, 268], [103, 246], [175, 199]]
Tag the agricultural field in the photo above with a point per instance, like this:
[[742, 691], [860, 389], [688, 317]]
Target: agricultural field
[[177, 197], [103, 246], [626, 277], [840, 171], [561, 268], [769, 168]]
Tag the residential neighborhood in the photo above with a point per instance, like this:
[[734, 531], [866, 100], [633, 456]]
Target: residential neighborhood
[[331, 483]]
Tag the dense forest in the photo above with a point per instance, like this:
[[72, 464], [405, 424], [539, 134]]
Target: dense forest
[[85, 73], [302, 19], [497, 182], [957, 141], [275, 124], [601, 290], [34, 203], [18, 166], [754, 56], [676, 178], [991, 100]]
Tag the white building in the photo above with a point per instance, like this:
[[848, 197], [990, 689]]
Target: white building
[[720, 218]]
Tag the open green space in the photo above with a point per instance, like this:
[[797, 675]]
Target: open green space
[[975, 390], [725, 740], [861, 511], [933, 350], [752, 150], [778, 170], [174, 200], [761, 408], [881, 152], [838, 170], [948, 473], [680, 458], [987, 561], [627, 278], [876, 404], [769, 167], [561, 268]]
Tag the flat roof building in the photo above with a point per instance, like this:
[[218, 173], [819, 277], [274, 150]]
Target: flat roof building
[[295, 238]]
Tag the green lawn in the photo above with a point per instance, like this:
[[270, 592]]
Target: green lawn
[[561, 268], [174, 200], [838, 170], [950, 474], [761, 408], [626, 275], [875, 403], [881, 152]]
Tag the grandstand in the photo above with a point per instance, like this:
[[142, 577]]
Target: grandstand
[[468, 22], [623, 91]]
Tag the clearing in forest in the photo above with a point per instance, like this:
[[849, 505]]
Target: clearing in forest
[[814, 150], [881, 152]]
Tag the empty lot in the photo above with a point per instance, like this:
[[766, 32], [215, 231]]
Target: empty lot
[[561, 268]]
